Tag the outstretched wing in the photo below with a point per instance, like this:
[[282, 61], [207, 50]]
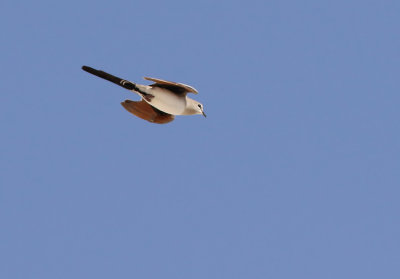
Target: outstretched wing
[[173, 86], [119, 81], [145, 111]]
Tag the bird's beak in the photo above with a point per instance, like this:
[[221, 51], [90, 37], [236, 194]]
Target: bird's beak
[[203, 113]]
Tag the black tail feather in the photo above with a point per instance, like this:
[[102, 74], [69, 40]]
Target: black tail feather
[[119, 81]]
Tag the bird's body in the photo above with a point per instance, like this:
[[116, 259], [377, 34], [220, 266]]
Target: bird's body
[[164, 99], [160, 102]]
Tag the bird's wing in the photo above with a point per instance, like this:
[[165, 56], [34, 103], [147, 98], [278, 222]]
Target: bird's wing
[[180, 87], [145, 111], [119, 81]]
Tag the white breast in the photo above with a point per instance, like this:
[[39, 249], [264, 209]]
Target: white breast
[[167, 101]]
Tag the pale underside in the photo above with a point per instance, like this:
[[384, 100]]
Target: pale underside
[[160, 102], [164, 99]]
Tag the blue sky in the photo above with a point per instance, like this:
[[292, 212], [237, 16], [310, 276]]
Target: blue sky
[[293, 174]]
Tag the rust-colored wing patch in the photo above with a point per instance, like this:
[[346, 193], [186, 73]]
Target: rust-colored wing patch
[[145, 111], [185, 87]]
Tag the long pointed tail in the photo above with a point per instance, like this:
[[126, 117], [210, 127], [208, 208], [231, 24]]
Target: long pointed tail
[[119, 81]]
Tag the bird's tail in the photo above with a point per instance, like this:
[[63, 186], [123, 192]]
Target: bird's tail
[[119, 81]]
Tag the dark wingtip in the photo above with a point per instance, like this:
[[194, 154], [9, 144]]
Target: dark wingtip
[[86, 68], [119, 81]]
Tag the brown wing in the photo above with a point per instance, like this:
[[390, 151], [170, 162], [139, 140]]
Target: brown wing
[[145, 111], [180, 86]]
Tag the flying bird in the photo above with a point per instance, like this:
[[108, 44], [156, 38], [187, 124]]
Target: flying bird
[[160, 102]]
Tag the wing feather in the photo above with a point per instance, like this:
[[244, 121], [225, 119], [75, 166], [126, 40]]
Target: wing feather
[[145, 111], [180, 86]]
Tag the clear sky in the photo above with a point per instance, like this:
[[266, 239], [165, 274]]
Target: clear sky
[[293, 174]]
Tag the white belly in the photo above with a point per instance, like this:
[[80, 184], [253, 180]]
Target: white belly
[[166, 101]]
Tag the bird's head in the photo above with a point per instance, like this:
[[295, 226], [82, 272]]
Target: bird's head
[[199, 109], [193, 107]]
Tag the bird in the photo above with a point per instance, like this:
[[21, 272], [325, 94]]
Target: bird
[[160, 101]]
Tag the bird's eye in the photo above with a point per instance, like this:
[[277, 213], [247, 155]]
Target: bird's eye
[[199, 106]]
